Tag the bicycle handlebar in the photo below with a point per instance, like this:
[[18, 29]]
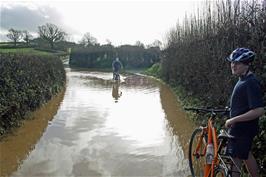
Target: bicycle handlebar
[[208, 110]]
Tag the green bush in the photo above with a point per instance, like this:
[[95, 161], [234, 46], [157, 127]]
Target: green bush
[[26, 82], [154, 70]]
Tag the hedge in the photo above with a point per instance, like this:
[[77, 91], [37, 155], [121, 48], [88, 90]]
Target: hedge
[[27, 82]]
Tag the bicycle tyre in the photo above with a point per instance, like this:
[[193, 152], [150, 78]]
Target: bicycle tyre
[[116, 76], [221, 172], [196, 164]]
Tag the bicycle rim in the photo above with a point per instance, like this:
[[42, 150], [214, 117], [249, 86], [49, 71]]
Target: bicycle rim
[[220, 172], [196, 163], [117, 77]]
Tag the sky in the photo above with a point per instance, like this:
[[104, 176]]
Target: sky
[[121, 22]]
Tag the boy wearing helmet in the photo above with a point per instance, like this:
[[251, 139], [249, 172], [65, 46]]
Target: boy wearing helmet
[[246, 105]]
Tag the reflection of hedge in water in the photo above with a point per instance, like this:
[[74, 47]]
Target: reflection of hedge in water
[[14, 151], [26, 82], [102, 56]]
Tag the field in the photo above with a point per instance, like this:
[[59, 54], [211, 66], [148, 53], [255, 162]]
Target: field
[[32, 51], [25, 51]]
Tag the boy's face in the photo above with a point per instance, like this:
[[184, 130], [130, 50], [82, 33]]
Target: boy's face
[[238, 68]]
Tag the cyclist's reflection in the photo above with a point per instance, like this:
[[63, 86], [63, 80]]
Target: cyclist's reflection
[[116, 93]]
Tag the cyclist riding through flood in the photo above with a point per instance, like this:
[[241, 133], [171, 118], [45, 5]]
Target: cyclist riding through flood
[[117, 66]]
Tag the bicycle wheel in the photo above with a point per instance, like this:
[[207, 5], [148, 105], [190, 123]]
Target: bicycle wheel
[[118, 77], [197, 161], [220, 172]]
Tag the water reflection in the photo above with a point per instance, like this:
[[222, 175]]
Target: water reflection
[[129, 135], [178, 124], [116, 93], [17, 146]]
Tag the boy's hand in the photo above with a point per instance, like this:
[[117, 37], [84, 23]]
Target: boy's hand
[[229, 123]]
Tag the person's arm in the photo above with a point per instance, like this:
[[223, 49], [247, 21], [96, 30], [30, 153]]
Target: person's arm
[[250, 115]]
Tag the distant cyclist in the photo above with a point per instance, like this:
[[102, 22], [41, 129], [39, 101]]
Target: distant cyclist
[[117, 66], [246, 107]]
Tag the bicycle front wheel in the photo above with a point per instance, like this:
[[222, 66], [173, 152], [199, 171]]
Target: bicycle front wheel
[[220, 172], [196, 157]]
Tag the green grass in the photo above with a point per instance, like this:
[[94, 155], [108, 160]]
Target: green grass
[[25, 51], [4, 44]]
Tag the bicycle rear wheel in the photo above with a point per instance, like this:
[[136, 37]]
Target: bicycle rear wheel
[[197, 160]]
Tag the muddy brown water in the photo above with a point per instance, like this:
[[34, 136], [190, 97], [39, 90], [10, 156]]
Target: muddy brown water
[[97, 127]]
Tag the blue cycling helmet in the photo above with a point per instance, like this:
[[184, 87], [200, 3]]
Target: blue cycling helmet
[[243, 55]]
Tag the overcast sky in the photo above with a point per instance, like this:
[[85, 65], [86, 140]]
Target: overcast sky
[[121, 22]]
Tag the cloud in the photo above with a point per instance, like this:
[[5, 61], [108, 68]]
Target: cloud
[[119, 21], [28, 17], [22, 17]]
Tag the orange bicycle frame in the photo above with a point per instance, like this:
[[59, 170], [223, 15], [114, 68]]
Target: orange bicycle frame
[[212, 138]]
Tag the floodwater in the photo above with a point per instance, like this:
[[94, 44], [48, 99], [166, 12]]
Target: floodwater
[[97, 127]]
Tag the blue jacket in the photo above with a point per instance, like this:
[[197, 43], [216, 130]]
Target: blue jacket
[[117, 65]]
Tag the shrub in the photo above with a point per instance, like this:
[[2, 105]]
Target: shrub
[[26, 82]]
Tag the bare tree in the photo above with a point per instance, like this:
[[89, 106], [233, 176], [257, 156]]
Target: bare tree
[[139, 44], [14, 35], [108, 41], [88, 40], [157, 43], [26, 36], [51, 33]]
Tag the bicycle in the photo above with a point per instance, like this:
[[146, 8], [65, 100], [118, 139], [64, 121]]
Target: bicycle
[[116, 76], [207, 151]]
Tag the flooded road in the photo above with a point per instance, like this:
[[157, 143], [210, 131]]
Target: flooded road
[[102, 128]]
